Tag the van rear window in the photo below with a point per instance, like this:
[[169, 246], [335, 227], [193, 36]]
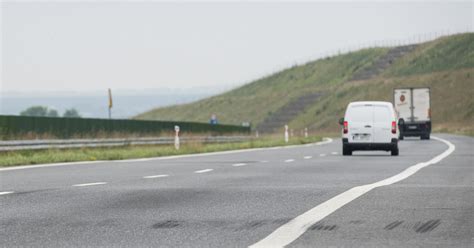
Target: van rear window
[[382, 114], [359, 113]]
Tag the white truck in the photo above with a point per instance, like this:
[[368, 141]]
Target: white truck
[[414, 111]]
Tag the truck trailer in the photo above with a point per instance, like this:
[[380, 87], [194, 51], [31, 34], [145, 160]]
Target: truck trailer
[[413, 107]]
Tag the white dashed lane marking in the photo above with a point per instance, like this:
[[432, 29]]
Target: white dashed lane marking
[[155, 176], [203, 171], [88, 184], [308, 157], [239, 164], [322, 155], [6, 192], [289, 160], [334, 153]]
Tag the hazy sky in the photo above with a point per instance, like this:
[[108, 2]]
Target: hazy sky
[[86, 45]]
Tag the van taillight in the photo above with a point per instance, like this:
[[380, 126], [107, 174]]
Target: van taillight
[[346, 127], [394, 127]]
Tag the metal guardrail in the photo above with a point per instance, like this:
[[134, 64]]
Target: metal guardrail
[[13, 145]]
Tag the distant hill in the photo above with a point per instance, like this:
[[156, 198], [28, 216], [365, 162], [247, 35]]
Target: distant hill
[[315, 94], [127, 103]]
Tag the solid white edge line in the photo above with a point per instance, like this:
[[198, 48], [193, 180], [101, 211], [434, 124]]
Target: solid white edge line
[[21, 167], [239, 164], [155, 176], [290, 231], [325, 141], [88, 184], [6, 192], [203, 171]]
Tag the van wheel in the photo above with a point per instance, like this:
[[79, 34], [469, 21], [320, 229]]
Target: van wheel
[[394, 151], [346, 151]]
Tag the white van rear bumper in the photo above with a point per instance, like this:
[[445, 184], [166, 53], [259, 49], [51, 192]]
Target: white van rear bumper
[[354, 146]]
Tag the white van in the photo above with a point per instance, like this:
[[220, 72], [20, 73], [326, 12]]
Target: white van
[[369, 126]]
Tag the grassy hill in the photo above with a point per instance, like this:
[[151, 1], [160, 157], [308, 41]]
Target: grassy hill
[[446, 65]]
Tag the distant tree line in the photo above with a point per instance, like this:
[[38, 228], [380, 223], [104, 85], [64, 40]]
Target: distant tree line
[[42, 111]]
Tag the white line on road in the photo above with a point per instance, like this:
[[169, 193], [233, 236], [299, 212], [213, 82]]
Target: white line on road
[[88, 184], [155, 176], [289, 160], [290, 231], [47, 165], [322, 155], [308, 157], [325, 141], [334, 153], [6, 192], [239, 164], [203, 171]]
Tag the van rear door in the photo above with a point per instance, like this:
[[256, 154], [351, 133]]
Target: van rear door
[[382, 127], [360, 120]]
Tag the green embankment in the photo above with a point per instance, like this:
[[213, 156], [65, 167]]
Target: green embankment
[[446, 65], [254, 101]]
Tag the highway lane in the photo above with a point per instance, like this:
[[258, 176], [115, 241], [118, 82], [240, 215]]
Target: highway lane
[[236, 206], [433, 208]]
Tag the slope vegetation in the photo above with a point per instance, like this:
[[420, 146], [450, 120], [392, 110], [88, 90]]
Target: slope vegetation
[[446, 65]]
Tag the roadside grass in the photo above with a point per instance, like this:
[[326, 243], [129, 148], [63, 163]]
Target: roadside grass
[[31, 157]]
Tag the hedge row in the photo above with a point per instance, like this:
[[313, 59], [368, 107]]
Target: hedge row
[[15, 126]]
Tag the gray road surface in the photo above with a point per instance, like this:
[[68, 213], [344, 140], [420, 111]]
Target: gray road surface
[[238, 199]]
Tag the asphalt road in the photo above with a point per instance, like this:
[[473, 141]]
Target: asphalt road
[[238, 199]]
